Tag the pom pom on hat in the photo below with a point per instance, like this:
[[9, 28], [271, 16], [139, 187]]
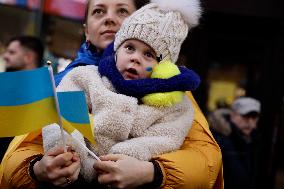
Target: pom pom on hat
[[189, 9]]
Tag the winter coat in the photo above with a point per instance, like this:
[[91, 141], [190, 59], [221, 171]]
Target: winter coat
[[121, 124], [198, 163], [238, 150]]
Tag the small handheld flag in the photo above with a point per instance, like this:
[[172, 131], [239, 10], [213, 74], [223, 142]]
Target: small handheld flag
[[74, 112], [74, 115], [26, 102]]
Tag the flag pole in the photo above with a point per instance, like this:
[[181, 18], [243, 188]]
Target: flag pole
[[87, 149], [57, 104]]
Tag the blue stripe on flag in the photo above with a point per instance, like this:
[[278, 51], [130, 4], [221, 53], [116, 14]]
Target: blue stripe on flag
[[73, 106], [24, 87]]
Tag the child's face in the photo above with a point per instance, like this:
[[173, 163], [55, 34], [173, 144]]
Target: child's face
[[135, 59]]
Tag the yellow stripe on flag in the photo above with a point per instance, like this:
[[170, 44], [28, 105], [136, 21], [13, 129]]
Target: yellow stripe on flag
[[85, 129], [18, 120]]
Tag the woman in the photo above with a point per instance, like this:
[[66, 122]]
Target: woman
[[196, 165]]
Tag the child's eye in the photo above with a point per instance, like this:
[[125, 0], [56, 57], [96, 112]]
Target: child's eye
[[129, 48], [149, 55]]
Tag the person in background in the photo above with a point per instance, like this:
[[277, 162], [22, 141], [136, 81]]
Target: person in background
[[23, 53], [197, 164], [235, 130]]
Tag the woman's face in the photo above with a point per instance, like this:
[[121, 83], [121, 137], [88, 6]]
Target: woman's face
[[104, 20]]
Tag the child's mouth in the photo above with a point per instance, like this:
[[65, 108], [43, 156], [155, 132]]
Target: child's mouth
[[132, 73]]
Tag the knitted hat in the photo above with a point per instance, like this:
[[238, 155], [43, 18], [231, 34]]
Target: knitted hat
[[245, 105], [162, 24]]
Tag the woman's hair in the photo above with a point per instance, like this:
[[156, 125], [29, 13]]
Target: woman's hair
[[138, 4]]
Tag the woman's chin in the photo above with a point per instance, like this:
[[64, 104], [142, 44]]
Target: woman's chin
[[101, 46], [107, 40]]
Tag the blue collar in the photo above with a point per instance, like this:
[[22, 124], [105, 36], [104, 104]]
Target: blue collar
[[87, 55]]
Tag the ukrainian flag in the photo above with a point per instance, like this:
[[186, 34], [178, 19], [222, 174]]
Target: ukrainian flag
[[74, 113], [26, 102]]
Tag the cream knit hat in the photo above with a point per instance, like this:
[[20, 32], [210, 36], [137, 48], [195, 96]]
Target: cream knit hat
[[162, 24]]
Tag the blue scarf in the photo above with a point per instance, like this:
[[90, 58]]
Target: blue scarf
[[188, 80], [86, 55]]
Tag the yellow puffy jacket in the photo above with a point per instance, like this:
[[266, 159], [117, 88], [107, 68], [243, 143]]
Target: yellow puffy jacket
[[198, 164]]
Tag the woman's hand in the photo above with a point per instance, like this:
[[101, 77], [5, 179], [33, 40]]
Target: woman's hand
[[57, 167], [121, 171]]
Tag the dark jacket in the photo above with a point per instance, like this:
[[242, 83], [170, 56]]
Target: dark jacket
[[238, 150]]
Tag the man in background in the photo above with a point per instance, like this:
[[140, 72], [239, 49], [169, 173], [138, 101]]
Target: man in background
[[22, 53], [235, 130]]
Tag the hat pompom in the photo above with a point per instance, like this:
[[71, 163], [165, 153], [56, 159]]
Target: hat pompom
[[163, 70], [189, 9]]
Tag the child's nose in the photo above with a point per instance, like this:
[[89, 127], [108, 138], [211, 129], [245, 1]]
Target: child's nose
[[135, 58]]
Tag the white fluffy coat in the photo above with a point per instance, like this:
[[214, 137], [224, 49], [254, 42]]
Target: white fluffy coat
[[121, 125]]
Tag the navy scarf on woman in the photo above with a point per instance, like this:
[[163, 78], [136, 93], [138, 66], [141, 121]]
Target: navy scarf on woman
[[188, 80]]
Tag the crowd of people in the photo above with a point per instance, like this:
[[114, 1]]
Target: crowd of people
[[150, 131]]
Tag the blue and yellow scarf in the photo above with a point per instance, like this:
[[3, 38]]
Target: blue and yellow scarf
[[188, 80]]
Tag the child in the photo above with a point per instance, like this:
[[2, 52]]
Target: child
[[125, 120]]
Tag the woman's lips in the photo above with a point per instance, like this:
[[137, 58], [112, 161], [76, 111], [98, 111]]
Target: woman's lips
[[108, 33]]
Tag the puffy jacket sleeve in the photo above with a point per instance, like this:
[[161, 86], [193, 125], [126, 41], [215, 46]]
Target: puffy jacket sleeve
[[198, 164], [16, 163]]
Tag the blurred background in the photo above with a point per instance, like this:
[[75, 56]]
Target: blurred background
[[238, 50]]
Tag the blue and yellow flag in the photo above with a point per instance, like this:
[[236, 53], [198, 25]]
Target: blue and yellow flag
[[26, 102], [74, 113]]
